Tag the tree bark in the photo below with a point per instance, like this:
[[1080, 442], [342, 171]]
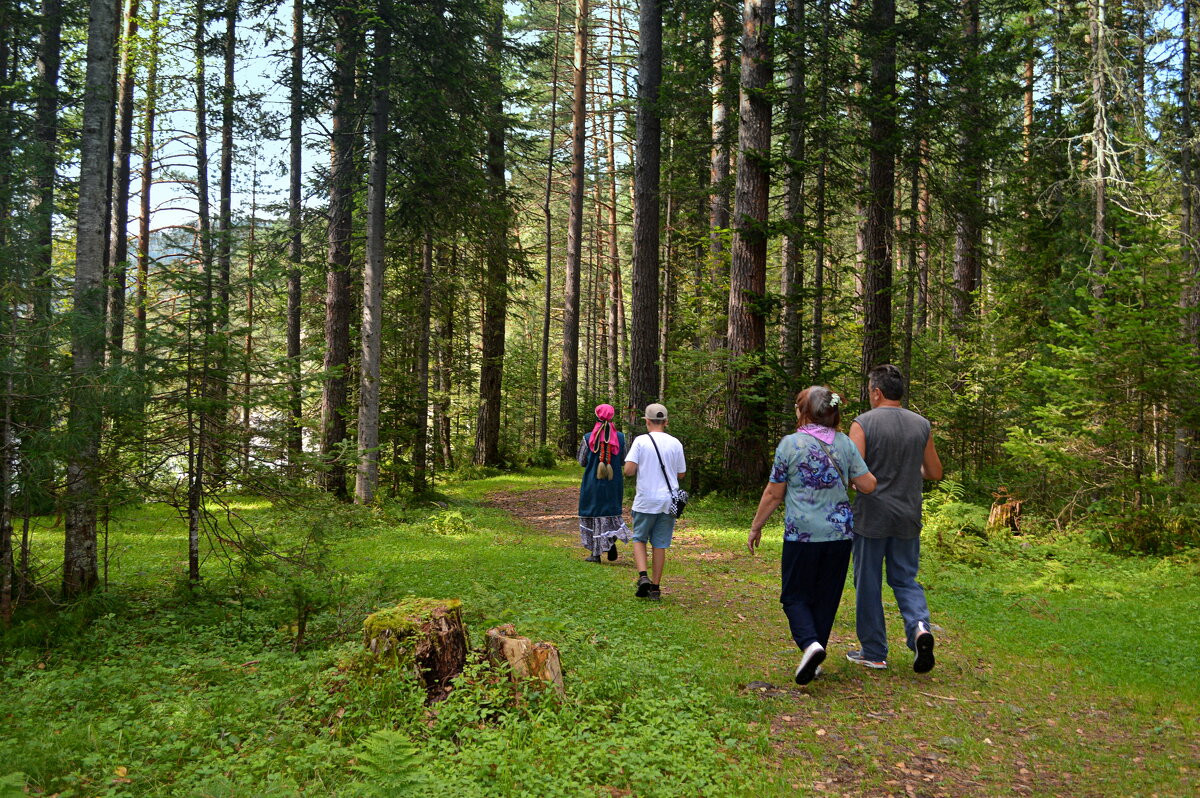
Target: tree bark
[[968, 196], [821, 144], [420, 457], [526, 659], [87, 329], [1100, 143], [792, 267], [543, 396], [295, 437], [495, 300], [745, 454], [569, 376], [145, 209], [718, 168], [367, 476], [335, 391], [118, 243], [643, 346], [881, 180], [1189, 229]]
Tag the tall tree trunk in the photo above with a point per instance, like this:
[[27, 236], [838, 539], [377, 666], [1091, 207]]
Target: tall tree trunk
[[200, 436], [569, 385], [420, 457], [821, 144], [745, 453], [968, 196], [145, 208], [447, 267], [367, 476], [792, 271], [543, 396], [1189, 227], [248, 345], [881, 181], [615, 290], [335, 392], [643, 345], [718, 169], [495, 300], [1101, 146], [87, 329], [118, 244], [295, 436], [36, 474], [221, 309]]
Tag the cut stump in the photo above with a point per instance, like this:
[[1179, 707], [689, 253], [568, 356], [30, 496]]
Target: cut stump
[[1005, 512], [428, 633], [526, 659]]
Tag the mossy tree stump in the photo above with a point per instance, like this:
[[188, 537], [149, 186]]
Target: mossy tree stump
[[428, 633], [528, 660]]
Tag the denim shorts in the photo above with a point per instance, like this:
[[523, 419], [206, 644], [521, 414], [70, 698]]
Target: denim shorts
[[653, 528]]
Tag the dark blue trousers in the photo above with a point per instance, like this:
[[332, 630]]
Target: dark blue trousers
[[814, 575]]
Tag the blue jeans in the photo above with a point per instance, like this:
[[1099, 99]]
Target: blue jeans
[[902, 558]]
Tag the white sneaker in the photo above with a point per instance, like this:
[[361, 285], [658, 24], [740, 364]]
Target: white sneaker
[[814, 655]]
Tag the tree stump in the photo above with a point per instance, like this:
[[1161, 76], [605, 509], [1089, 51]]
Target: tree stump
[[1005, 513], [428, 633], [527, 660]]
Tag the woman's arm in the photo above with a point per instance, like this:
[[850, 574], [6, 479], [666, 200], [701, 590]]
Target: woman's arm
[[772, 497], [865, 483]]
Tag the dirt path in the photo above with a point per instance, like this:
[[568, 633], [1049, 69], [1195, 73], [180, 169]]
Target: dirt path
[[868, 734]]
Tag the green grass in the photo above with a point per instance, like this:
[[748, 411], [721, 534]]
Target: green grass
[[1060, 670]]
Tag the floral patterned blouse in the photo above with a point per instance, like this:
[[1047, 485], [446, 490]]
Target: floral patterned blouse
[[817, 505]]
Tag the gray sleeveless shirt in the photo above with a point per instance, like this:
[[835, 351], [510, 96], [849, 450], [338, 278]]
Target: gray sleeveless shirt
[[896, 440]]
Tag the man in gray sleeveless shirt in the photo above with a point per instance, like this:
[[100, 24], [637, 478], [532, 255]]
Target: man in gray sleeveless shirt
[[898, 448]]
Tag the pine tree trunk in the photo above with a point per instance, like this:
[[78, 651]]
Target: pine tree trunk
[[87, 331], [718, 169], [145, 209], [495, 300], [1189, 227], [569, 376], [118, 242], [1097, 25], [881, 180], [294, 435], [643, 346], [543, 396], [745, 453], [792, 267], [221, 368], [821, 144], [615, 290], [420, 457], [367, 476], [335, 391], [968, 197]]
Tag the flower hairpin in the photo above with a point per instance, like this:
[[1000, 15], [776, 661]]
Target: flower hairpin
[[834, 400]]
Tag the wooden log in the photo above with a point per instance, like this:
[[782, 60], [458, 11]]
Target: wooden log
[[526, 659], [427, 634], [1005, 513]]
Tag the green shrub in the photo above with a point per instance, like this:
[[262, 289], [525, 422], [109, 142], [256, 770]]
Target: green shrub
[[1155, 531]]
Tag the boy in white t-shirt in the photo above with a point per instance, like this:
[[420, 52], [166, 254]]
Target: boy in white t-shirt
[[652, 519]]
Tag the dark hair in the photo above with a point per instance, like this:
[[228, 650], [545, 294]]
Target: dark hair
[[889, 380], [814, 405]]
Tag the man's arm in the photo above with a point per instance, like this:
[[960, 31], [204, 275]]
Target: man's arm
[[931, 467], [860, 439], [629, 469]]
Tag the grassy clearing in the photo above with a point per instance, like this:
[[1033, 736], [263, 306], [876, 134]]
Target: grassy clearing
[[1060, 671]]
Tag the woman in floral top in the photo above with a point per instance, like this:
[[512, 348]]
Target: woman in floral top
[[814, 466]]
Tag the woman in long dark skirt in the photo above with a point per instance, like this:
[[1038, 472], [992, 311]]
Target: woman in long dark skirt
[[602, 454]]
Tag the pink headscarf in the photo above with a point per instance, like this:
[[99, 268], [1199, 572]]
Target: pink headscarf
[[604, 428]]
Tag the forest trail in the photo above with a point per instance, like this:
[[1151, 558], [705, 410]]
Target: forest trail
[[872, 733]]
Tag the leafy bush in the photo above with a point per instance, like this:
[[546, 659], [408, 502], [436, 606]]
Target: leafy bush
[[1155, 531], [542, 457]]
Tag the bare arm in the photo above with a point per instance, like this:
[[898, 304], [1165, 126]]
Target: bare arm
[[629, 469], [865, 483], [860, 439], [931, 467], [772, 497]]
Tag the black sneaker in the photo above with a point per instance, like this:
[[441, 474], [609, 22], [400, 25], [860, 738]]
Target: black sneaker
[[612, 553], [655, 594], [643, 587], [592, 558], [924, 643]]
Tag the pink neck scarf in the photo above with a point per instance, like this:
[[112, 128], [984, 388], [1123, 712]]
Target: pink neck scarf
[[824, 434]]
